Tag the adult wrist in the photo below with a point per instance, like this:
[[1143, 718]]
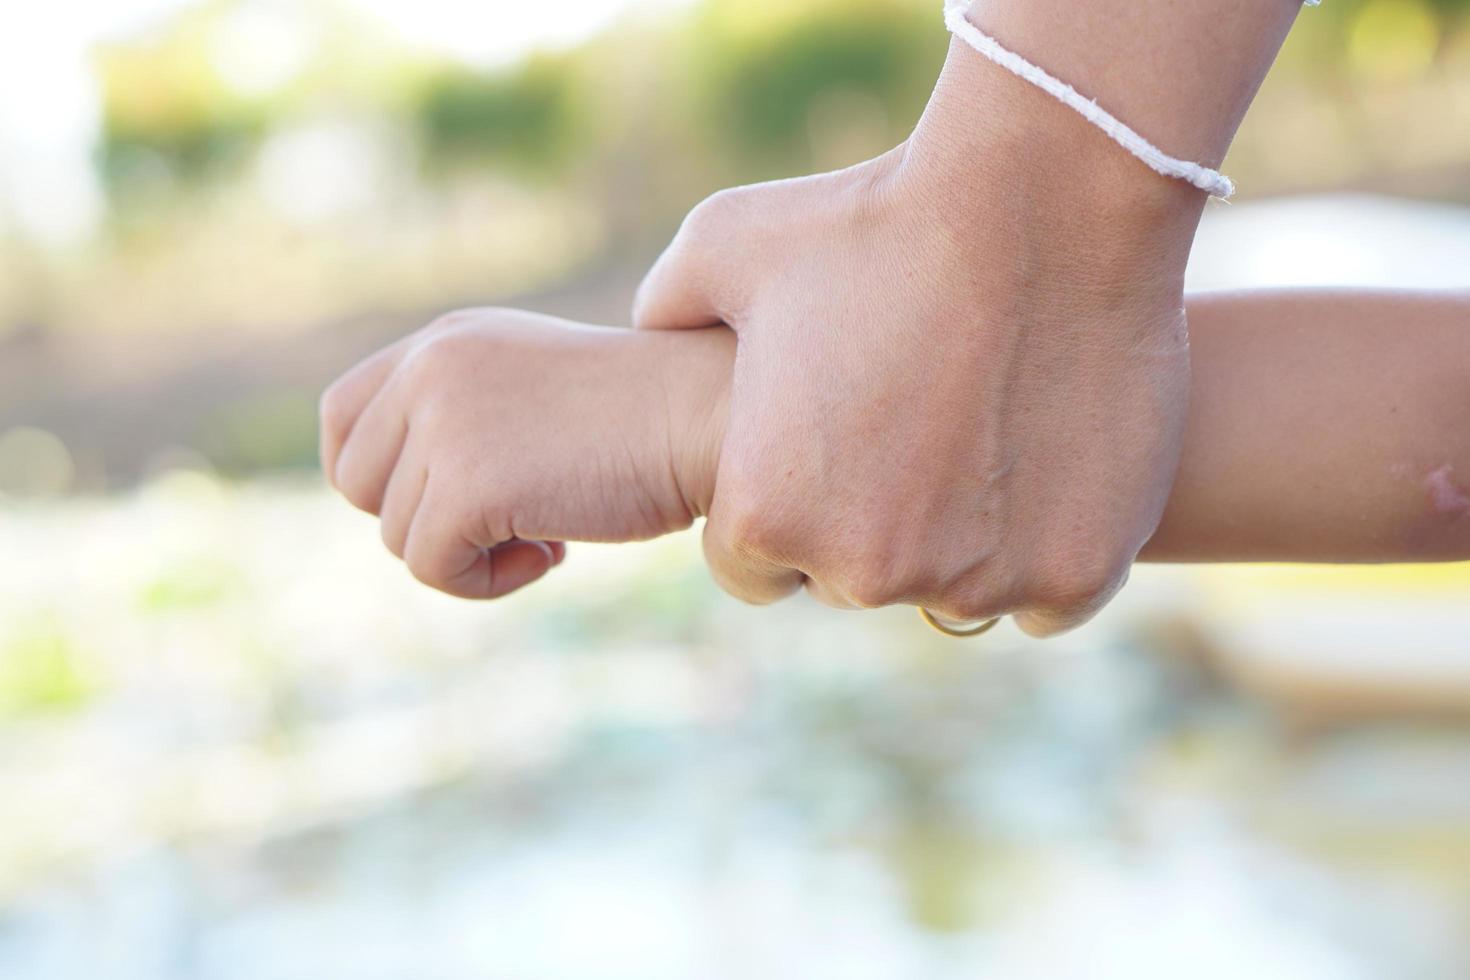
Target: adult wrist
[[988, 136], [1180, 74]]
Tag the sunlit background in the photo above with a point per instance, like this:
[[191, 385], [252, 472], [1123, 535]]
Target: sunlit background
[[237, 741]]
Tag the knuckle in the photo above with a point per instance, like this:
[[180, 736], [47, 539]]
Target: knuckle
[[392, 538], [989, 586], [753, 522], [710, 216], [1077, 580], [334, 411], [733, 213], [976, 594], [452, 320], [438, 351], [974, 605], [827, 596], [698, 260], [424, 572], [871, 585], [422, 563], [434, 365], [750, 529], [360, 494]]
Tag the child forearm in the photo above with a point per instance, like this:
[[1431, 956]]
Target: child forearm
[[1324, 426]]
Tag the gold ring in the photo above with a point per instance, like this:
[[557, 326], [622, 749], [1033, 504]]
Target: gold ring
[[948, 630]]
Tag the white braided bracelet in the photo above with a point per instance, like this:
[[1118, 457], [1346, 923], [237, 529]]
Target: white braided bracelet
[[1212, 182]]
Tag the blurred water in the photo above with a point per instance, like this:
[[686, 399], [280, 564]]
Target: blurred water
[[316, 768], [1358, 240]]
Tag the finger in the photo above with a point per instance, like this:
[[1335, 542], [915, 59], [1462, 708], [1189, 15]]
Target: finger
[[976, 598], [675, 293], [692, 284], [451, 564], [1043, 624], [827, 596], [401, 500], [744, 576], [1046, 622], [441, 552], [368, 458], [343, 402], [516, 564]]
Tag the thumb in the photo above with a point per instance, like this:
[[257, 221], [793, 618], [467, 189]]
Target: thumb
[[695, 280]]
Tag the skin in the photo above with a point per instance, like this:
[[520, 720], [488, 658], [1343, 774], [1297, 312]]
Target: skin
[[1182, 74], [962, 377], [1325, 427], [490, 436]]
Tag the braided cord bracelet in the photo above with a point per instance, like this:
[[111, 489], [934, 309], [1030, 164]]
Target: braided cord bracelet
[[1210, 181]]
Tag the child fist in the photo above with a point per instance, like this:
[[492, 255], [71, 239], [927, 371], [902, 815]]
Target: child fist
[[491, 436]]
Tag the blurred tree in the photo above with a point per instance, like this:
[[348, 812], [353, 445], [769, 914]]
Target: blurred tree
[[767, 76], [270, 431], [590, 156], [525, 119], [166, 117]]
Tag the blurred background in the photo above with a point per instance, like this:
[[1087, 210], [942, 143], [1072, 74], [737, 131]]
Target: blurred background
[[237, 740]]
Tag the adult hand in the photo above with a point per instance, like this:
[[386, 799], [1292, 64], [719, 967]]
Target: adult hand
[[964, 392]]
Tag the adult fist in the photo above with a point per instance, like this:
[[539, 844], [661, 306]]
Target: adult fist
[[962, 368]]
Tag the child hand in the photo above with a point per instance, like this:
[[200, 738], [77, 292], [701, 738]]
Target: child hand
[[491, 436]]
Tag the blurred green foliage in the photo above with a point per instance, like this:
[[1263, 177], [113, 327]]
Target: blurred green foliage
[[272, 430], [39, 673], [757, 73], [137, 155], [195, 583], [524, 119], [761, 87], [166, 115], [373, 177]]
